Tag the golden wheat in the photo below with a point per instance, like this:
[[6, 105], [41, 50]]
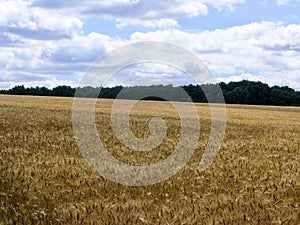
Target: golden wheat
[[45, 180]]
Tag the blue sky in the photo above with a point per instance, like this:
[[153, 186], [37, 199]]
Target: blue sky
[[53, 42]]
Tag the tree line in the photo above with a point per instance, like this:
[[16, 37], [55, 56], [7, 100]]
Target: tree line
[[242, 92]]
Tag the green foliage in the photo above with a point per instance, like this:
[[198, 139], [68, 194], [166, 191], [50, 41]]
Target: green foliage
[[242, 92]]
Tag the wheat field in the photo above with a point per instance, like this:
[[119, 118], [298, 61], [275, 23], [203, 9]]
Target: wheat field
[[45, 180]]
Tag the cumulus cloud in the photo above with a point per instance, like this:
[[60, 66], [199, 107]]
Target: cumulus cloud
[[149, 72], [270, 51], [289, 78], [42, 41], [46, 60], [49, 82], [84, 48], [159, 14], [17, 17], [7, 39], [282, 2], [157, 23], [263, 48]]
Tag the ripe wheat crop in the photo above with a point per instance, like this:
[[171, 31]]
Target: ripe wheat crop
[[45, 180]]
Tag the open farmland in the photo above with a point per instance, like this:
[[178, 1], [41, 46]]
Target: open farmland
[[45, 180]]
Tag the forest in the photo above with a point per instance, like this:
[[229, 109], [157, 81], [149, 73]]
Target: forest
[[242, 92]]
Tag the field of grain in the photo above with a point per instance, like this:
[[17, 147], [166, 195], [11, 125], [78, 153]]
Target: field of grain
[[45, 180]]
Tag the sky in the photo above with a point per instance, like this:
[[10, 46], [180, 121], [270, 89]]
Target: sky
[[54, 42]]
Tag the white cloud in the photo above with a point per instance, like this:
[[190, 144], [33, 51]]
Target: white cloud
[[40, 61], [159, 14], [159, 23], [84, 48], [17, 17], [263, 48], [49, 82], [289, 78], [265, 51], [42, 40], [189, 8], [282, 2], [225, 3]]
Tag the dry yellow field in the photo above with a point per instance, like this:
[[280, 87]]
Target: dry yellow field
[[45, 180]]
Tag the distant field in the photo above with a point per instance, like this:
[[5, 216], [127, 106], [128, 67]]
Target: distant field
[[45, 180]]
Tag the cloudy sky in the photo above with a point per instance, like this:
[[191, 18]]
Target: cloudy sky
[[53, 42]]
